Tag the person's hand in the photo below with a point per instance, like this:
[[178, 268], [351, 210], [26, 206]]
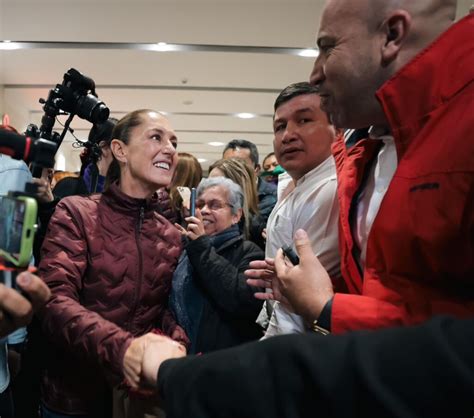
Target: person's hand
[[195, 228], [44, 193], [307, 286], [262, 274], [132, 360], [156, 353], [15, 310]]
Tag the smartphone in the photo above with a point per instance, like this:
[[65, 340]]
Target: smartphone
[[17, 229], [192, 205], [291, 254]]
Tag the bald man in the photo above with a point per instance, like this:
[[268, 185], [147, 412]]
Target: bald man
[[406, 193]]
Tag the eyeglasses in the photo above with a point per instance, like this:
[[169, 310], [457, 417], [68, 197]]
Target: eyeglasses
[[212, 204]]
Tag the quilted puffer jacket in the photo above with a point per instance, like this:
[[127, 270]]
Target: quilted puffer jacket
[[108, 260]]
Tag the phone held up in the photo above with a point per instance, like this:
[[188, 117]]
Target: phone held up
[[17, 232], [193, 202], [189, 199]]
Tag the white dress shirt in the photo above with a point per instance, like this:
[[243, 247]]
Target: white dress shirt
[[369, 200], [310, 204]]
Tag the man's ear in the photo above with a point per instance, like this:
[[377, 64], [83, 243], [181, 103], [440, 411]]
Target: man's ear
[[119, 150], [396, 28]]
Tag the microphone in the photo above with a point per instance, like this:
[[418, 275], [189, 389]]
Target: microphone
[[15, 145], [31, 150]]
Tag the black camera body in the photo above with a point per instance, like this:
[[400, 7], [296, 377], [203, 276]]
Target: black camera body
[[75, 96]]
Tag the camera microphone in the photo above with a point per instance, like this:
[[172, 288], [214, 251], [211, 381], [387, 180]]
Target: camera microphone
[[15, 145], [21, 147]]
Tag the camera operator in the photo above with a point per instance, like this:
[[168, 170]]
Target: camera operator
[[96, 161]]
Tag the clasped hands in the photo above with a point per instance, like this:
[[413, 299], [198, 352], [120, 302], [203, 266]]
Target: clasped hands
[[303, 289], [144, 356]]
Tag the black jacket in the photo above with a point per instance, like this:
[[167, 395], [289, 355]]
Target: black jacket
[[230, 309], [267, 198], [424, 371]]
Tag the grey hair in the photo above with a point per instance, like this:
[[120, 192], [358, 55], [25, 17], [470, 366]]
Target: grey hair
[[236, 196]]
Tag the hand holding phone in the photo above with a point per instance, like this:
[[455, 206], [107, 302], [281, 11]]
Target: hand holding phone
[[291, 254]]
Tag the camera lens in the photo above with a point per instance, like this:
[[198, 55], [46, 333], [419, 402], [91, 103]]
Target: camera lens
[[100, 113], [92, 109]]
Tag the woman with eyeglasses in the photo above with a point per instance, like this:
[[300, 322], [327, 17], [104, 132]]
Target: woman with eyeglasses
[[210, 296]]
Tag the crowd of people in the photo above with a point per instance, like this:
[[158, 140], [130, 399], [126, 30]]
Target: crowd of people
[[149, 304]]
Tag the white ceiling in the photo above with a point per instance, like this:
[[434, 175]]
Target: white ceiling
[[202, 91]]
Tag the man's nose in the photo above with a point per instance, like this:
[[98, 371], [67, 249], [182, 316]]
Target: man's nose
[[317, 74], [290, 132]]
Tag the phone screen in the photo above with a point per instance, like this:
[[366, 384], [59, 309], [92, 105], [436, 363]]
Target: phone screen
[[17, 229], [12, 216]]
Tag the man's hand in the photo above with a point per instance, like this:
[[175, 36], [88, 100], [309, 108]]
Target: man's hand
[[262, 274], [307, 286], [132, 360], [44, 193], [156, 353], [15, 310]]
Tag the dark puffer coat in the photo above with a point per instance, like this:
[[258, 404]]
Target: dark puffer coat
[[108, 260]]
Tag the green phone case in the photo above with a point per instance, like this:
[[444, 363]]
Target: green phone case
[[23, 258]]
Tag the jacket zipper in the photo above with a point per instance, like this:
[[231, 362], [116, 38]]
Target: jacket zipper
[[138, 228]]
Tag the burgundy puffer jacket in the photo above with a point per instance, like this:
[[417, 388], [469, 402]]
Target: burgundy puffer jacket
[[108, 260]]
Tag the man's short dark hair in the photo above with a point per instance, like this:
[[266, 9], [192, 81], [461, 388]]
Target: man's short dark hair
[[294, 90], [243, 143]]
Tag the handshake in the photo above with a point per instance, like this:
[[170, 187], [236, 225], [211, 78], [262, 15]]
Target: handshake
[[144, 356]]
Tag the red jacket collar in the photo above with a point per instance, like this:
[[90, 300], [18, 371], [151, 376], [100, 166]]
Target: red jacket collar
[[429, 80]]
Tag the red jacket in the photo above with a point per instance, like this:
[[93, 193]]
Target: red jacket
[[108, 260], [420, 251]]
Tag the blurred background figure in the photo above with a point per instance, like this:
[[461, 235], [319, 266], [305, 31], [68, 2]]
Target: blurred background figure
[[96, 159], [271, 169], [270, 162], [58, 175], [240, 173], [210, 296], [266, 192], [188, 174]]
